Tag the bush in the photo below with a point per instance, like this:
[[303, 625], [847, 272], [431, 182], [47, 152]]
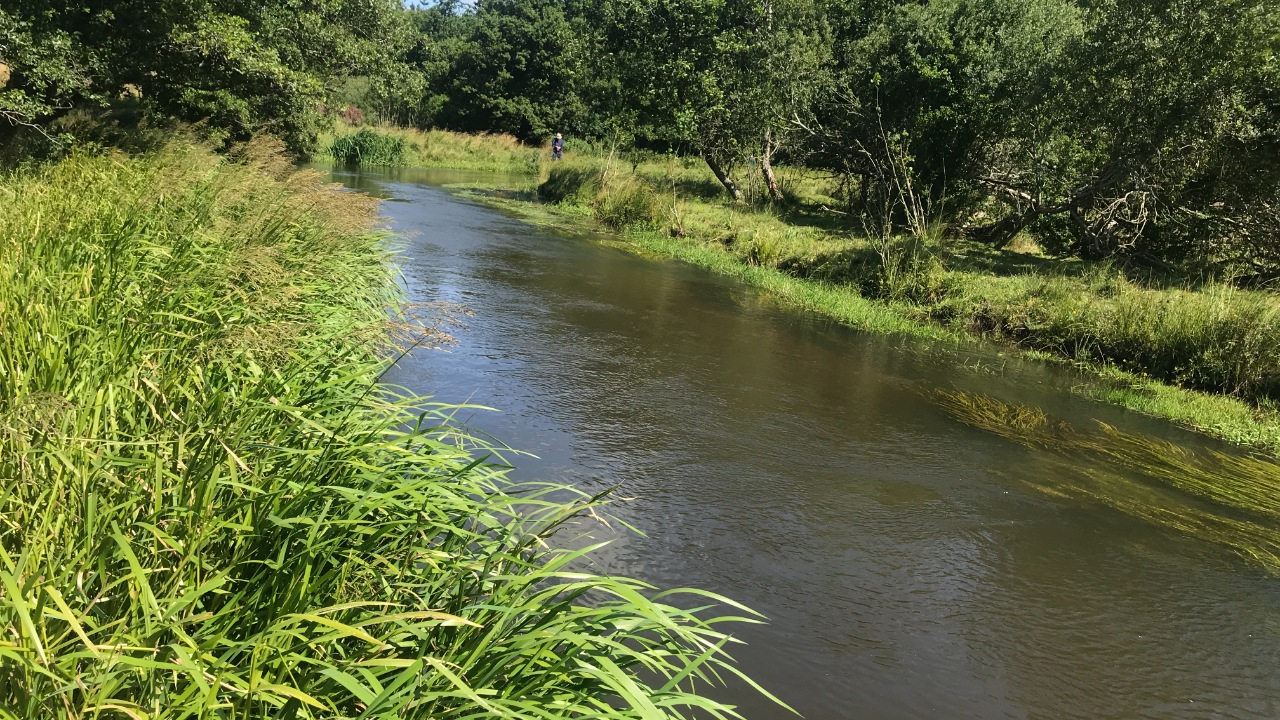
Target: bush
[[367, 147], [351, 115], [616, 200]]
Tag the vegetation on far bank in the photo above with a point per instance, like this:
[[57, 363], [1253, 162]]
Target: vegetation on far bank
[[1205, 355], [211, 508], [1142, 130], [346, 144], [1147, 131]]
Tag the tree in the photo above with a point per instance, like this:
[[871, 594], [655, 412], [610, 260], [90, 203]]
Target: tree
[[718, 77], [931, 90], [515, 70], [1144, 123], [240, 66], [44, 68]]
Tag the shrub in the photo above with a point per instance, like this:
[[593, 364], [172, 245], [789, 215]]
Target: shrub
[[570, 183], [905, 269], [616, 200], [352, 115]]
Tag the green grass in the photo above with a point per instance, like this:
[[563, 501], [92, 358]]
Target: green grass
[[209, 508], [442, 149]]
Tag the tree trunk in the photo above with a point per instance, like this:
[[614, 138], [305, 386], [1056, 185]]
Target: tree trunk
[[766, 168], [1092, 240], [1096, 241], [729, 185], [1001, 232]]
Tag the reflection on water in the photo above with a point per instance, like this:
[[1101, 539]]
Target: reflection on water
[[801, 468]]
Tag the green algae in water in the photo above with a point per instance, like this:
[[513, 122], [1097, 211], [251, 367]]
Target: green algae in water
[[1231, 500]]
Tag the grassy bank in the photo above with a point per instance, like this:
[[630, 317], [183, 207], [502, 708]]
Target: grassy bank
[[1205, 356], [386, 146], [209, 509]]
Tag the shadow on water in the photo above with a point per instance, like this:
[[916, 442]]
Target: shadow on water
[[906, 561]]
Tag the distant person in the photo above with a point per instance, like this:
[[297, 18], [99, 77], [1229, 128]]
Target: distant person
[[557, 147]]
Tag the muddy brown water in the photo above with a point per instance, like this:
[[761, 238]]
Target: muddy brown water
[[800, 468]]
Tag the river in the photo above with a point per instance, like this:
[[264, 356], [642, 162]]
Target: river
[[801, 468]]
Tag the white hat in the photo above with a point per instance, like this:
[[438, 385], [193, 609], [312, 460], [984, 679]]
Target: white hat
[[557, 136]]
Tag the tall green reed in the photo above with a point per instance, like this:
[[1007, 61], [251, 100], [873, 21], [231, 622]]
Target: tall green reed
[[368, 147], [209, 509]]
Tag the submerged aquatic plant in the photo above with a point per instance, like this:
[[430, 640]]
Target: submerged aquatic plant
[[1232, 500]]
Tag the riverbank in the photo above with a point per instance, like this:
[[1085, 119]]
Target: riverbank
[[209, 502], [427, 148], [1221, 416], [1205, 356]]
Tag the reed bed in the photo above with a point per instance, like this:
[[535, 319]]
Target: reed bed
[[209, 508], [1231, 500], [367, 147]]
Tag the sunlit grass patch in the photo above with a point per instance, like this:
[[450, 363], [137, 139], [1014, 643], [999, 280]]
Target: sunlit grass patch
[[210, 508], [442, 149]]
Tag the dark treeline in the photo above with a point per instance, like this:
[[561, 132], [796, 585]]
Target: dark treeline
[[1146, 129]]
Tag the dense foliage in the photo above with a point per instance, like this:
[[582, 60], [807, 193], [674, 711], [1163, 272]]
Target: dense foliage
[[239, 66], [1133, 128]]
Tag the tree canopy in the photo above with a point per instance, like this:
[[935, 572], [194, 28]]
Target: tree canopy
[[1140, 128], [238, 65]]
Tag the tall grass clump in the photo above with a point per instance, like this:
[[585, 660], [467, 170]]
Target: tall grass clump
[[617, 199], [209, 508], [367, 147], [1218, 339], [627, 201], [1230, 500], [571, 182]]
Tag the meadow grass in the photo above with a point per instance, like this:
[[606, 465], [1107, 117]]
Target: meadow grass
[[210, 509]]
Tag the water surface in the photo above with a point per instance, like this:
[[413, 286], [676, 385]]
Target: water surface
[[801, 468]]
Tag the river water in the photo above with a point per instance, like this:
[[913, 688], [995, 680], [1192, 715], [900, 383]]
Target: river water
[[801, 468]]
